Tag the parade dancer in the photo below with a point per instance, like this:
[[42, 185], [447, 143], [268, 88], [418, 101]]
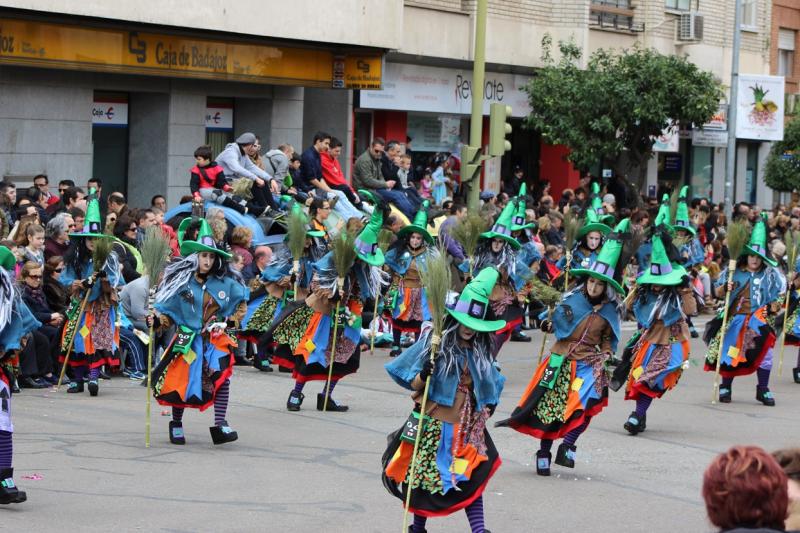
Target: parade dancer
[[304, 330], [750, 334], [198, 294], [406, 260], [570, 386], [94, 333], [793, 313], [16, 321], [691, 252], [661, 352], [589, 241], [456, 457]]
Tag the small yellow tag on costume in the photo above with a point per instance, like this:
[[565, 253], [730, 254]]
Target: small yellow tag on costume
[[637, 372], [733, 352], [459, 466], [402, 308], [189, 357], [310, 345], [84, 331], [577, 383]]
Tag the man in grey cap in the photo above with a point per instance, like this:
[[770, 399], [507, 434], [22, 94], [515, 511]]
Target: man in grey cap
[[235, 162]]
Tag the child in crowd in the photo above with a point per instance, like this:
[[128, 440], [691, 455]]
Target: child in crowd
[[426, 185], [208, 182], [404, 168], [35, 249]]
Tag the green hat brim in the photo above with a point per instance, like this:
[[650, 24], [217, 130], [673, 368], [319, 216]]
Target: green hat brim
[[524, 226], [369, 195], [608, 220], [315, 233], [377, 259], [688, 229], [594, 226], [601, 277], [510, 240], [190, 247], [413, 228], [95, 235], [673, 278], [7, 259], [477, 324], [750, 251]]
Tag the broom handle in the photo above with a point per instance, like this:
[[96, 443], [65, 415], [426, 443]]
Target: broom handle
[[544, 338], [333, 350], [566, 270], [149, 377], [374, 326], [785, 320], [715, 390], [72, 340], [296, 269], [417, 440]]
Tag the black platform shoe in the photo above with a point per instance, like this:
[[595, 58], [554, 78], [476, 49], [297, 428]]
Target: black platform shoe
[[94, 387], [9, 493], [543, 459], [295, 400], [223, 433], [565, 456], [176, 435], [518, 336], [634, 425], [725, 395], [75, 387], [332, 406], [796, 374], [765, 396], [395, 351]]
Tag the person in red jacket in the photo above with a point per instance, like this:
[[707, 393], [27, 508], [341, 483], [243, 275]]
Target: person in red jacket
[[333, 175], [208, 182]]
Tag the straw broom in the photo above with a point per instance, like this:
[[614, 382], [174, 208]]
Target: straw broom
[[571, 226], [155, 250], [344, 255], [548, 296], [384, 240], [467, 232], [102, 249], [738, 233], [436, 280], [792, 239], [296, 241]]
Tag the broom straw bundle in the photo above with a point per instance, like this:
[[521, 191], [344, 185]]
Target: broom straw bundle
[[467, 232], [296, 242]]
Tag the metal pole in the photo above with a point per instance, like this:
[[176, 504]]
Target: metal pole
[[730, 155], [478, 76]]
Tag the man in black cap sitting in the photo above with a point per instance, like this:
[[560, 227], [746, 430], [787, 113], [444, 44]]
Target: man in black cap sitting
[[235, 162]]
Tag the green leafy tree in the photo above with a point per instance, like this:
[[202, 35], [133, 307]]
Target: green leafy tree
[[613, 109], [782, 171]]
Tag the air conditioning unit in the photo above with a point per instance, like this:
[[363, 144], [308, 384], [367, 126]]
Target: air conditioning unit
[[690, 26]]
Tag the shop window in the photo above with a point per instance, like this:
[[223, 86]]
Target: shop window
[[702, 171], [749, 15], [679, 5], [786, 46], [219, 123]]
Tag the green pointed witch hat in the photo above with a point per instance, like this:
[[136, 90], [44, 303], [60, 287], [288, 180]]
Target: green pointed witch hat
[[592, 223], [92, 221], [203, 243], [518, 220], [7, 259], [661, 271], [662, 217], [758, 241], [605, 266], [502, 227], [473, 303], [419, 224], [366, 245], [682, 221], [597, 206]]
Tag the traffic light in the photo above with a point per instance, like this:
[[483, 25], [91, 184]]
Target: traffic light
[[470, 163], [499, 128]]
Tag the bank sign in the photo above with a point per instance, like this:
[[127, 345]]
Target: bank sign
[[441, 90], [110, 114]]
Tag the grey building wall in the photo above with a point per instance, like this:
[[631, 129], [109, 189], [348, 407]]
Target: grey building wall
[[331, 111], [254, 115], [287, 117], [147, 153], [186, 131]]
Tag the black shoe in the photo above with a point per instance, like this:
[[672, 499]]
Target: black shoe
[[693, 333], [104, 374], [240, 361], [28, 382], [263, 365], [332, 406], [75, 387], [284, 369], [9, 493], [634, 425], [565, 456], [176, 435], [52, 380], [518, 336], [94, 387], [765, 396], [796, 374], [395, 351], [543, 459], [411, 530], [295, 400], [223, 433], [725, 395]]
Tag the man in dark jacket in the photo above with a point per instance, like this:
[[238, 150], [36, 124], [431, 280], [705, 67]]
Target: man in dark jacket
[[367, 175]]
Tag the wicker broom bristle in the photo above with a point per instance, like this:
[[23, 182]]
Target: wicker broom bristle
[[572, 224], [436, 279], [737, 237], [344, 252], [155, 253], [102, 249], [385, 238], [296, 233], [467, 232]]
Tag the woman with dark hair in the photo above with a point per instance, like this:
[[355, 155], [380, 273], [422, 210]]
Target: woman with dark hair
[[320, 210], [56, 294], [198, 294], [125, 231], [45, 338], [745, 490]]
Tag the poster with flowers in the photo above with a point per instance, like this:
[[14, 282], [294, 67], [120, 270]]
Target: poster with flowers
[[759, 112]]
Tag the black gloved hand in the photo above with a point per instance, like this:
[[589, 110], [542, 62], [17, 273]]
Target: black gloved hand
[[87, 283], [102, 274], [491, 407], [427, 369], [547, 326]]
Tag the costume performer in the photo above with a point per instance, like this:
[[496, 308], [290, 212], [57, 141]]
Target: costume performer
[[589, 241], [304, 330], [793, 326], [95, 332], [198, 294], [692, 255], [570, 386], [406, 261], [456, 455], [747, 343], [16, 321], [660, 351]]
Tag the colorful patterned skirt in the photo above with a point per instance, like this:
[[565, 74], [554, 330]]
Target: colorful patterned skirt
[[96, 339], [192, 379], [304, 336], [449, 475], [410, 309], [579, 390], [792, 326], [261, 312], [5, 397], [656, 368], [745, 344]]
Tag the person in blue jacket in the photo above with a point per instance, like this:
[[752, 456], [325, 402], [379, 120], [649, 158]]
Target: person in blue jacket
[[16, 322], [456, 457], [199, 295]]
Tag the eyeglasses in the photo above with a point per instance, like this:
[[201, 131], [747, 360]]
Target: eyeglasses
[[132, 228], [59, 270], [38, 276]]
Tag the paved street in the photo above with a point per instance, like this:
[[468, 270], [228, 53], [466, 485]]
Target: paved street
[[309, 473]]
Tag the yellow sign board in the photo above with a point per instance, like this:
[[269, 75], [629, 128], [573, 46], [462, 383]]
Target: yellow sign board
[[52, 45]]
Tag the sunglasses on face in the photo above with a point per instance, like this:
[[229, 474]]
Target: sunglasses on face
[[132, 228], [38, 276], [59, 270]]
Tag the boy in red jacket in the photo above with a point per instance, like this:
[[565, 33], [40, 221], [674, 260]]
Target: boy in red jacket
[[208, 182]]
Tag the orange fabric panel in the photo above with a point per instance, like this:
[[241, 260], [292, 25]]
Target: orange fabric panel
[[177, 377], [637, 361], [740, 358], [537, 377], [574, 396], [313, 324], [397, 469]]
